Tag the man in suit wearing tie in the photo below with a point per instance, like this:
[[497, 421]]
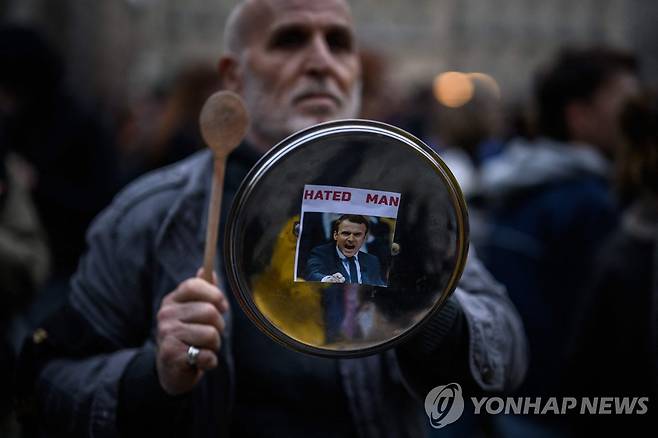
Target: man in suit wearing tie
[[342, 261]]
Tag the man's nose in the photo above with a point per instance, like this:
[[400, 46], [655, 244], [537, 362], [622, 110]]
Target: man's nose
[[319, 58]]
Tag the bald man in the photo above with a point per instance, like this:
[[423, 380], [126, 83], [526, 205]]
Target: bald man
[[146, 348]]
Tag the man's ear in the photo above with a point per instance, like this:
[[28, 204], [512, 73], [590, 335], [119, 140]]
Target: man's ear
[[336, 235], [229, 74]]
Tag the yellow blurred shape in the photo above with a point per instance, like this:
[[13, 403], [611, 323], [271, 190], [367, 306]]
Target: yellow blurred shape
[[293, 307], [453, 89]]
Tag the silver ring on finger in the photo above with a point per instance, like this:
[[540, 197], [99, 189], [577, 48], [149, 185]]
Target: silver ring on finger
[[192, 355]]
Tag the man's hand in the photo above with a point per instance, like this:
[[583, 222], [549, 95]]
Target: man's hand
[[335, 278], [191, 315]]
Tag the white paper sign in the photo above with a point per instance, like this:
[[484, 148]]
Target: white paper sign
[[321, 251]]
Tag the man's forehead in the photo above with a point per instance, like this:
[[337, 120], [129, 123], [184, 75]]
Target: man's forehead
[[626, 83], [349, 224], [284, 12]]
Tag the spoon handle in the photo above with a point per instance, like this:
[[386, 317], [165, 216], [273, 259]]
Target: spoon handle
[[213, 218]]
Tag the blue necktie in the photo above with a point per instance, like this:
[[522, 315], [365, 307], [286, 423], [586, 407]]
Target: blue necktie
[[354, 277]]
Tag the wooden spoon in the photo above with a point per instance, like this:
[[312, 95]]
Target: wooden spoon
[[223, 122]]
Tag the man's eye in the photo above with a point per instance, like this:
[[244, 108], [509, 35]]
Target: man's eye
[[288, 39], [340, 40]]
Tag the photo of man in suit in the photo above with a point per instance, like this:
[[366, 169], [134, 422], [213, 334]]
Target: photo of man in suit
[[342, 261]]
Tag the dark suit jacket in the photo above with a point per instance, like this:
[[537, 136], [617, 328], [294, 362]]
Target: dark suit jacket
[[324, 261]]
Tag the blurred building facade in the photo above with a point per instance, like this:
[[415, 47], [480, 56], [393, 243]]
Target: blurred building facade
[[120, 48]]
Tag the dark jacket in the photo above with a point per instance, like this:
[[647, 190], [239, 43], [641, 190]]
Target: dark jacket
[[552, 210], [613, 351], [324, 261], [147, 242]]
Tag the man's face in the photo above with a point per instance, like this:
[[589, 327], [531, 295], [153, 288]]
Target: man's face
[[350, 237], [603, 124], [299, 68]]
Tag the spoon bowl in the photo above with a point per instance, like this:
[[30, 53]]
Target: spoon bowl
[[223, 122]]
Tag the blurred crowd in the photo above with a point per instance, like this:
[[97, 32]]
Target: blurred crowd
[[562, 193]]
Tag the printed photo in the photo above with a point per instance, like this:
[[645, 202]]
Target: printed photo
[[346, 235]]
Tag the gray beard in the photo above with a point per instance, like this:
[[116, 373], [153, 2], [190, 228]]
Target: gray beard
[[267, 129]]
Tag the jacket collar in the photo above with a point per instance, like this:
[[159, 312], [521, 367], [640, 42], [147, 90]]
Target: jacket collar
[[526, 165]]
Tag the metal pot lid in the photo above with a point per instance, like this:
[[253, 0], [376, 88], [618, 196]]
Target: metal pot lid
[[345, 238]]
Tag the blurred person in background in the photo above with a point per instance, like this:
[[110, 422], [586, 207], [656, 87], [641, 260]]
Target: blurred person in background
[[24, 266], [614, 353], [552, 206], [379, 95], [167, 126], [415, 114], [465, 135], [468, 135], [145, 348], [67, 148]]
